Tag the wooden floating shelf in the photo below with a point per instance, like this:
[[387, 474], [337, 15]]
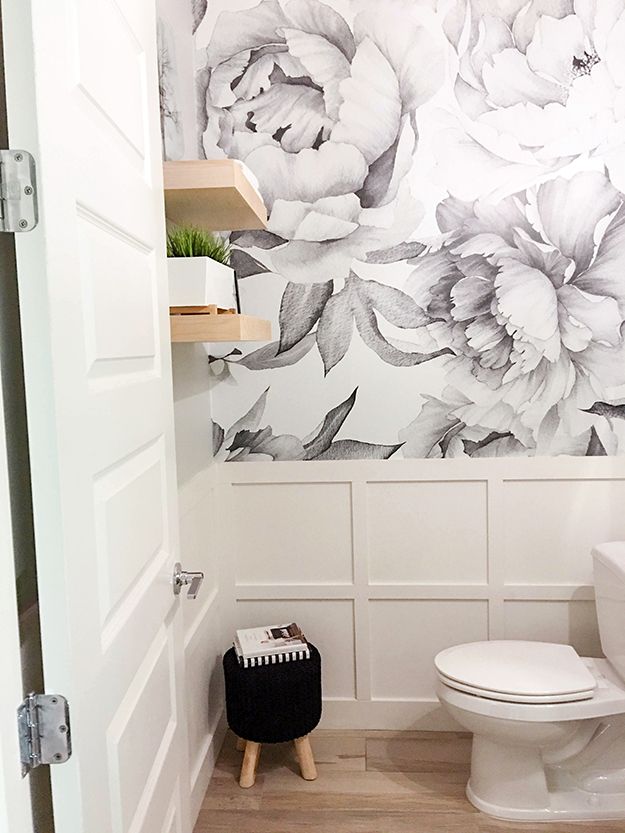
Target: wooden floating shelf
[[204, 327], [215, 194]]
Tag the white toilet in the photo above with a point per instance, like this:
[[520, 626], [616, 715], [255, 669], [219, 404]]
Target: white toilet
[[548, 725]]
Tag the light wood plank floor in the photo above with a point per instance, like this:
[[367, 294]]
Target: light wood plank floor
[[373, 782]]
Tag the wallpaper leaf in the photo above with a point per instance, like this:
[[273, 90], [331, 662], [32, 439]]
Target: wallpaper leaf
[[218, 437], [429, 434], [265, 444], [501, 446], [595, 446], [245, 265], [269, 357], [367, 326], [334, 333], [356, 450], [605, 409], [261, 443], [198, 8], [397, 307], [250, 420], [356, 304], [260, 239], [330, 428], [473, 448], [300, 309]]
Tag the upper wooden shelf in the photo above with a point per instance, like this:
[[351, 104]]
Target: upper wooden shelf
[[212, 193]]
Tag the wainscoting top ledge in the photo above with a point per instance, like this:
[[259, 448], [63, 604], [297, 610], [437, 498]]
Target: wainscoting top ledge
[[535, 468]]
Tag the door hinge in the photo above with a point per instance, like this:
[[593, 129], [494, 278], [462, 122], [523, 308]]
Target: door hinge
[[44, 731], [18, 191]]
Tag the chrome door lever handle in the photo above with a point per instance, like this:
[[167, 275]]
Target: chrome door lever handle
[[182, 578]]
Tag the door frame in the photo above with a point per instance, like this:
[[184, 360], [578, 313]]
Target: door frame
[[16, 806], [15, 801]]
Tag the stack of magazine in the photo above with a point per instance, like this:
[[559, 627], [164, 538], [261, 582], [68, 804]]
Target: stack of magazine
[[271, 644]]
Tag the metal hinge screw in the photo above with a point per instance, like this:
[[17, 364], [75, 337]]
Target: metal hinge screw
[[28, 190], [18, 157]]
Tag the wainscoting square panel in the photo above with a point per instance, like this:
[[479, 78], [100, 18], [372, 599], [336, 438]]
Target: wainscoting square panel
[[406, 636], [328, 624], [427, 532], [551, 526], [293, 533], [573, 622]]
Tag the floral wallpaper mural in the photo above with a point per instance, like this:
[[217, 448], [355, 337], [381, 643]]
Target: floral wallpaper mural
[[445, 256], [171, 127]]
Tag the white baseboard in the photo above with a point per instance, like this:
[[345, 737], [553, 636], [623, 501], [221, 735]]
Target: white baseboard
[[392, 715]]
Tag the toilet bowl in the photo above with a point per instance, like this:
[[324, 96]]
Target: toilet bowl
[[548, 725]]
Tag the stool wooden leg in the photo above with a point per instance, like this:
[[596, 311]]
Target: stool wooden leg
[[250, 762], [241, 745], [305, 758]]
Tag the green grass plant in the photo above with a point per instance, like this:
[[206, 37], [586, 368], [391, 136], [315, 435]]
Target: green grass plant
[[192, 241]]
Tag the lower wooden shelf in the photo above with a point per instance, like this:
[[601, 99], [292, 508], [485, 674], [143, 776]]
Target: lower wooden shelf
[[206, 327]]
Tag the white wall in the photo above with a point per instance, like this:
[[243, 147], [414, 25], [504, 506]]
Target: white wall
[[386, 563]]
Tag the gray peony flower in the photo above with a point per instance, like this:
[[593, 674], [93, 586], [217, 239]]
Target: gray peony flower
[[529, 294], [323, 113], [539, 83]]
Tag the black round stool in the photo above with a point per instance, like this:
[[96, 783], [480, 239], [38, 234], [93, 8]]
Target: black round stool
[[272, 704]]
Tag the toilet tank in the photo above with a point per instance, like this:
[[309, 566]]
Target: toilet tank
[[609, 573]]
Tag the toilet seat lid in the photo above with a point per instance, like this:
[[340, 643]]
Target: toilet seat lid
[[517, 670]]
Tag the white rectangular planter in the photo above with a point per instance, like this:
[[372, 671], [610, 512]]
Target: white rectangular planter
[[200, 281]]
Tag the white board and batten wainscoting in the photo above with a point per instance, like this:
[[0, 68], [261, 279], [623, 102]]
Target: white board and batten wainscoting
[[386, 563]]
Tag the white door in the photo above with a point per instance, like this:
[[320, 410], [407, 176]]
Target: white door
[[83, 98], [15, 813]]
